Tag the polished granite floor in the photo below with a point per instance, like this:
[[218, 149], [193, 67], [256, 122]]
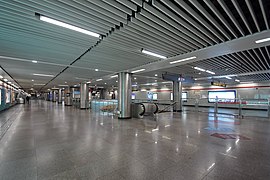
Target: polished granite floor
[[51, 141]]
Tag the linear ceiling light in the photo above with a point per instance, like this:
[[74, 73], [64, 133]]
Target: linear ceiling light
[[99, 79], [237, 80], [48, 75], [114, 76], [1, 77], [34, 61], [139, 70], [5, 80], [199, 69], [210, 72], [228, 77], [68, 26], [64, 85], [262, 40], [185, 59], [153, 54]]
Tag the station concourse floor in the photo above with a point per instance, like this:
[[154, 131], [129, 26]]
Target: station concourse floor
[[45, 140]]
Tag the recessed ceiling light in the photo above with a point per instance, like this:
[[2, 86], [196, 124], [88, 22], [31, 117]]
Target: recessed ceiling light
[[5, 80], [105, 83], [96, 69], [237, 80], [153, 54], [262, 40], [116, 81], [185, 59], [135, 78], [68, 26], [34, 61], [139, 70], [156, 75], [9, 82], [99, 80], [33, 80], [65, 82], [48, 75], [1, 77]]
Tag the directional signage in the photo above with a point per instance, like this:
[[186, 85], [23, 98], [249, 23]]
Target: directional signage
[[218, 84]]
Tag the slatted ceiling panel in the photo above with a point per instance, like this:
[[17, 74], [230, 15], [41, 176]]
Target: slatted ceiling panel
[[52, 10], [257, 77], [90, 13], [134, 37], [159, 34]]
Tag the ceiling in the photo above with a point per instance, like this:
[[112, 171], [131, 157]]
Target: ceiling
[[174, 29]]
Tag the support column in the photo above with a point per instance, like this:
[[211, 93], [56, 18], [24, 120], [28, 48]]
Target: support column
[[54, 96], [84, 97], [124, 95], [177, 96], [68, 99], [60, 96]]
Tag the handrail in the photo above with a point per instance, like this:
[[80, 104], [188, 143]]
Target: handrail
[[167, 107]]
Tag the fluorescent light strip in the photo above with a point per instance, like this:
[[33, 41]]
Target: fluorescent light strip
[[34, 61], [262, 40], [48, 75], [237, 80], [199, 69], [114, 76], [99, 79], [68, 26], [185, 59], [153, 54], [5, 80], [139, 70], [64, 85], [210, 72], [228, 77]]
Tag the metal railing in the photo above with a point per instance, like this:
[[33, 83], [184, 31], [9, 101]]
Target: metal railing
[[238, 107]]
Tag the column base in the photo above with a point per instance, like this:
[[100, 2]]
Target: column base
[[124, 117]]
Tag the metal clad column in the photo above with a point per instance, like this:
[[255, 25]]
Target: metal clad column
[[124, 95], [60, 96], [54, 96], [84, 97], [177, 96]]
